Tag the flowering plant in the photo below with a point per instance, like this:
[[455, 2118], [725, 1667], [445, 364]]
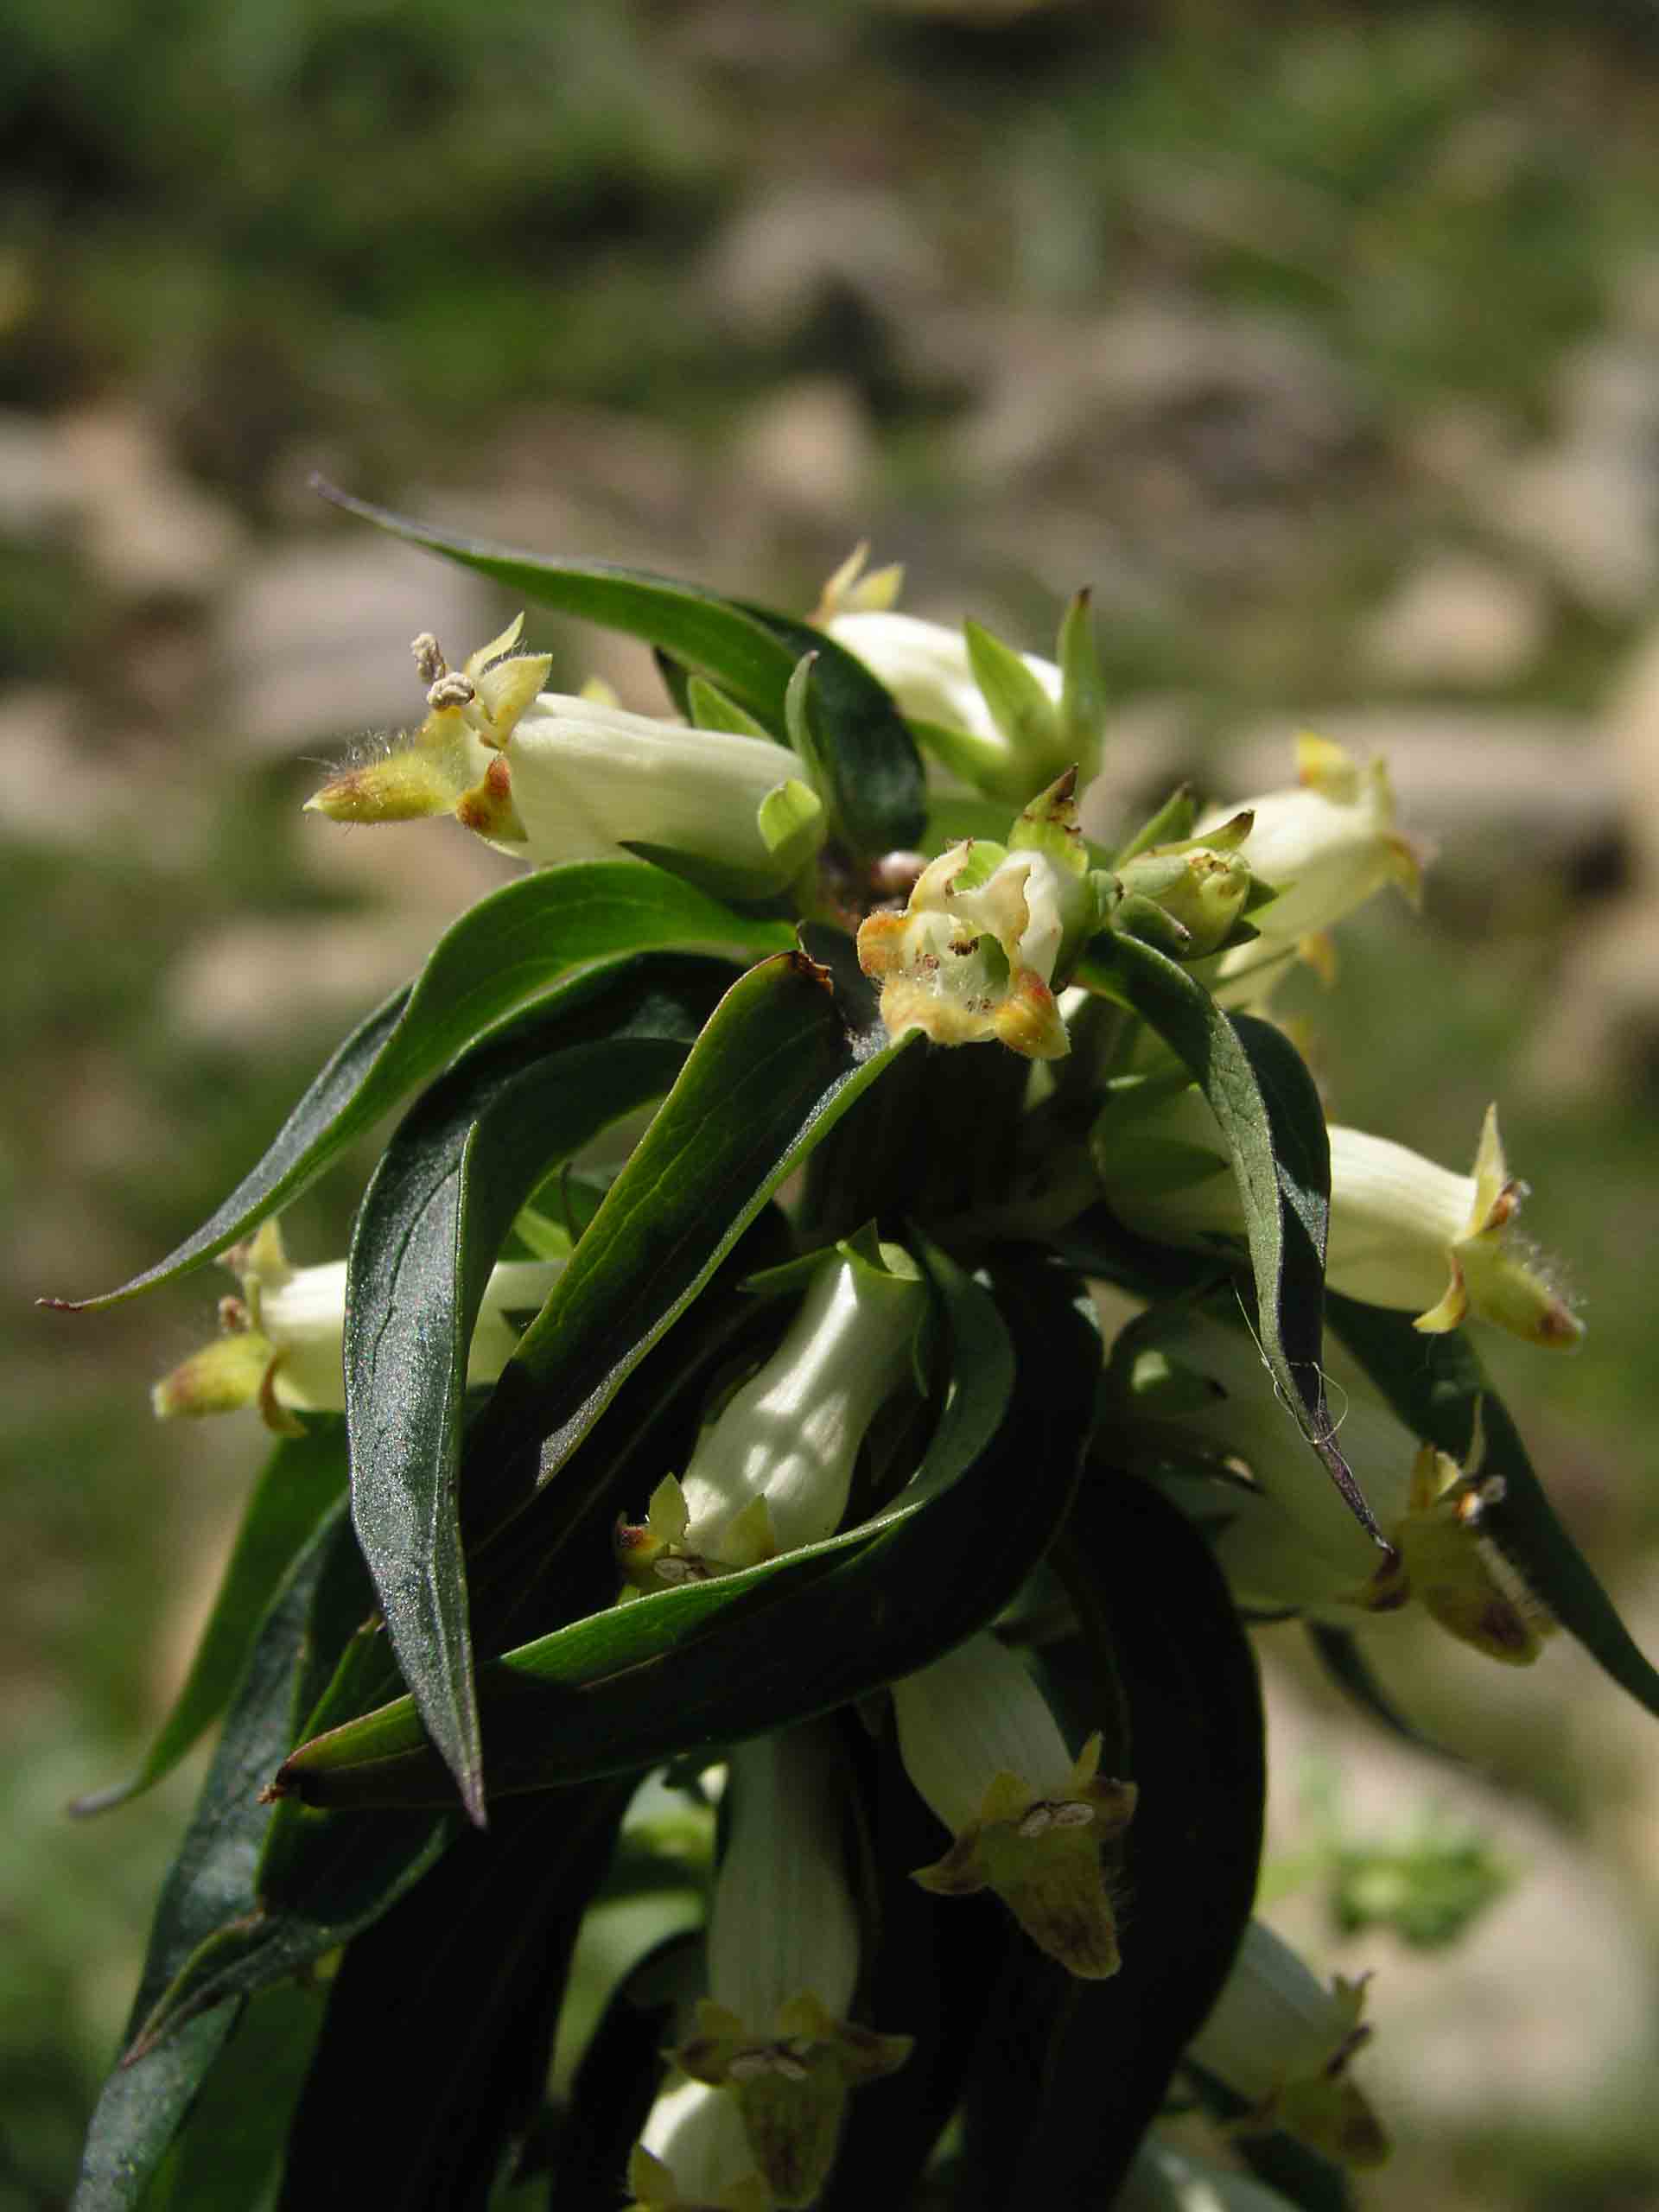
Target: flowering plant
[[773, 1517]]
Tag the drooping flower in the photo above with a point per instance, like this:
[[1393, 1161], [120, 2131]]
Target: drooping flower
[[990, 933], [281, 1342], [1404, 1232], [1281, 2039], [1026, 1818], [783, 1962], [1194, 1394], [549, 776], [774, 1471]]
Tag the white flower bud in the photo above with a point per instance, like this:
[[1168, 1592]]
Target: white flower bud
[[774, 1471], [1026, 1820], [1280, 2039], [929, 671], [284, 1345]]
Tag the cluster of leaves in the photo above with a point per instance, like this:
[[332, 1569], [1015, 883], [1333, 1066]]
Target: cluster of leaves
[[434, 1717]]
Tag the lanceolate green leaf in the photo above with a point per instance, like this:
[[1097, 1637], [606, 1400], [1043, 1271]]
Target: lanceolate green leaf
[[784, 1056], [211, 1882], [496, 958], [433, 1220], [699, 628], [1264, 1100], [715, 1661], [301, 1480], [1071, 2073], [1435, 1384]]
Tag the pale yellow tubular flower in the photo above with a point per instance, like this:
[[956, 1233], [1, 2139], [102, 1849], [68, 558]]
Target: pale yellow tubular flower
[[1324, 847], [783, 1962], [1404, 1232], [1026, 1818], [1279, 2038], [774, 1471], [1189, 1386], [548, 776], [280, 1346]]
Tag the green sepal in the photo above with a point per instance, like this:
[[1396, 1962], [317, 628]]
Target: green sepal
[[711, 708], [1082, 688], [1173, 821]]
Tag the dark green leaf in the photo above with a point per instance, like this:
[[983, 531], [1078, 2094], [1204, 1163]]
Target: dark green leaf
[[303, 1884], [497, 957], [302, 1477], [1268, 1111], [1434, 1384], [716, 1662], [699, 628], [439, 2025], [784, 1056], [617, 2079], [878, 788], [229, 2152], [433, 1220], [1071, 2073], [210, 1882]]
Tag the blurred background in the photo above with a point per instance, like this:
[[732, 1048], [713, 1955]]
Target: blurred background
[[1323, 340]]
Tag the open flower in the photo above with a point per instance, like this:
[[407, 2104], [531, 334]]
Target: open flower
[[1404, 1232], [548, 776], [1324, 848], [1281, 2039], [281, 1341], [783, 1962], [774, 1471], [1026, 1818], [989, 933]]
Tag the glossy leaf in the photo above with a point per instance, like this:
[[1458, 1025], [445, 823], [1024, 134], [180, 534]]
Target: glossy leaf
[[783, 1057], [435, 2051], [211, 1882], [499, 954], [1435, 1384], [435, 1216], [1071, 2073], [229, 2152], [1268, 1111], [301, 1480], [699, 628], [715, 1661]]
